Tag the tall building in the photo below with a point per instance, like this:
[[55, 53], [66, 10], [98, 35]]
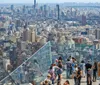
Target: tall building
[[33, 36], [13, 54], [26, 35], [23, 45], [45, 10], [97, 34], [34, 4], [24, 9], [12, 7], [6, 62], [83, 20], [18, 23], [58, 11]]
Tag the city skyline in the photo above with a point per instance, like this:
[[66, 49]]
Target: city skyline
[[50, 1]]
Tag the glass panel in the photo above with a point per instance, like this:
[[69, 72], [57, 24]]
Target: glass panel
[[33, 69]]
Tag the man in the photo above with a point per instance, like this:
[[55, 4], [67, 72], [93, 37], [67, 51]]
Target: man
[[88, 70], [88, 66], [73, 64], [68, 68]]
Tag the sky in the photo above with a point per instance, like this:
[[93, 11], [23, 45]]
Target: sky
[[46, 1]]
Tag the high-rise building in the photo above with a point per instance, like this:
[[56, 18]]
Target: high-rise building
[[6, 62], [58, 11], [26, 35], [34, 4], [23, 45], [24, 9], [13, 55], [83, 20], [33, 36], [18, 23], [97, 34], [45, 10], [12, 7]]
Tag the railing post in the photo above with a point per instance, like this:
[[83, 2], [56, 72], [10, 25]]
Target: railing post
[[50, 51]]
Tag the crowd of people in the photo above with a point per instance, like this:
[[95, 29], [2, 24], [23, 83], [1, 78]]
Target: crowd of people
[[81, 70], [55, 73], [74, 70]]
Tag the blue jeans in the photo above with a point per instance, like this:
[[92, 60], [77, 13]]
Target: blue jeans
[[68, 71], [53, 81]]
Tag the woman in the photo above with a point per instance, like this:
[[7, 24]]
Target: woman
[[59, 73], [94, 71], [52, 73], [89, 82], [78, 76]]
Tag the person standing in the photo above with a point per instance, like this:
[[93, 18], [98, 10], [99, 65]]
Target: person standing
[[59, 73], [82, 66], [73, 65], [74, 75], [78, 76], [88, 71], [52, 73], [89, 78], [68, 68], [94, 71]]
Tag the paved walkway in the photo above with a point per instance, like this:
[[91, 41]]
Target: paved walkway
[[83, 81]]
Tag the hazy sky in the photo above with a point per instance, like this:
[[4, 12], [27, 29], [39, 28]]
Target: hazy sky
[[46, 1]]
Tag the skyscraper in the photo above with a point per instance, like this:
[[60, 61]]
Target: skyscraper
[[34, 4], [45, 10], [33, 36], [83, 20], [12, 7], [97, 34], [58, 11]]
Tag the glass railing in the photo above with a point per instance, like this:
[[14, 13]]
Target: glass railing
[[33, 69], [79, 51]]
